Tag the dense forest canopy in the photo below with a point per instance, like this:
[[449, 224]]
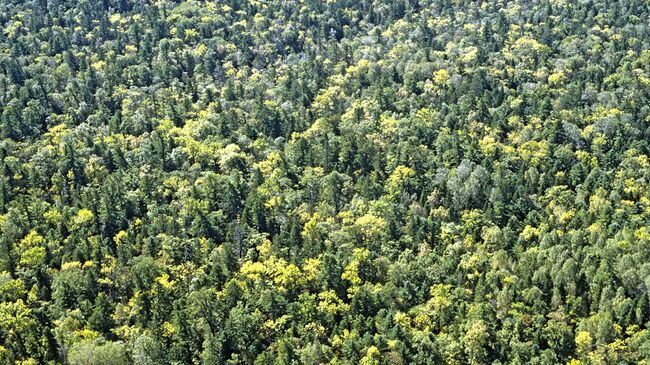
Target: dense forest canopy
[[324, 182]]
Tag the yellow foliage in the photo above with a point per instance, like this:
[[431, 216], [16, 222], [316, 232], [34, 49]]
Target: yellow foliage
[[287, 276], [617, 346], [633, 188], [469, 54], [191, 34], [86, 334], [395, 182], [583, 342], [331, 304], [32, 239], [567, 216], [309, 230], [583, 156], [642, 234], [372, 357], [264, 248], [599, 141], [602, 113], [327, 98], [83, 216], [115, 18], [56, 133], [489, 145], [99, 65], [533, 151], [30, 361], [528, 233], [528, 43], [596, 203], [471, 265], [311, 269], [440, 77], [403, 319], [370, 226], [556, 78], [168, 329], [252, 270], [32, 256], [360, 67], [351, 271], [273, 202], [70, 265], [267, 166], [120, 237], [164, 281]]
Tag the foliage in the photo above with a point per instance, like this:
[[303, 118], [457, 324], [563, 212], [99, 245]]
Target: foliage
[[341, 181]]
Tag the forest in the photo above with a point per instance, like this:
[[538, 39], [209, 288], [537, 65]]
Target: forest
[[372, 182]]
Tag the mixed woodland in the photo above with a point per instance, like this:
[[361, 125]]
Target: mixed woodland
[[324, 182]]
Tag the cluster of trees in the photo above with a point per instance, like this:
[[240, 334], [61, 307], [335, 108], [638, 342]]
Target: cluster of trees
[[341, 181]]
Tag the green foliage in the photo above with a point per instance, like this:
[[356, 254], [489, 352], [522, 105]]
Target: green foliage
[[310, 182]]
